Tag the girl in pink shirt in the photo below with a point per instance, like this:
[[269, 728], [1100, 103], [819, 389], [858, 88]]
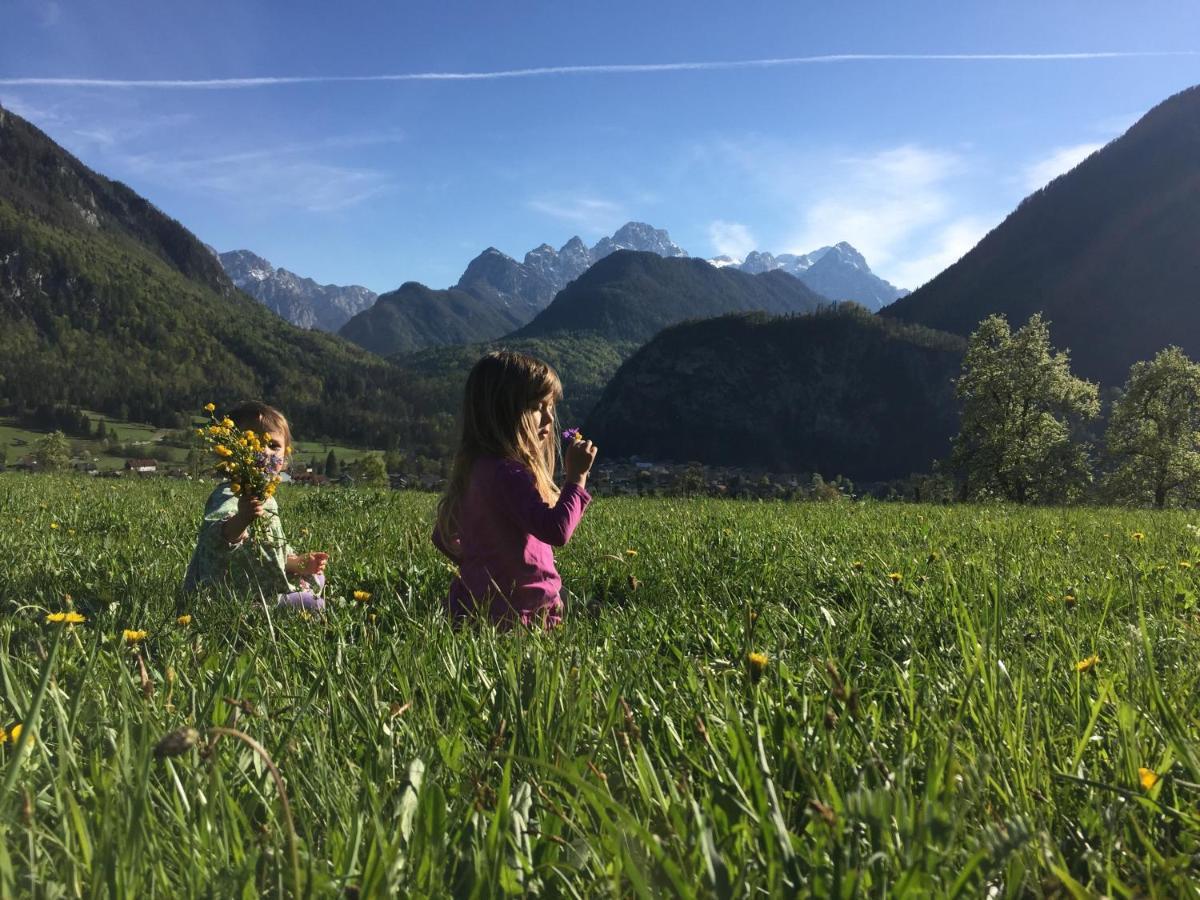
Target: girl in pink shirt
[[502, 513]]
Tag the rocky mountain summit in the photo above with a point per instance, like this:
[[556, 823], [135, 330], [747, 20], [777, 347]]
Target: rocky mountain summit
[[300, 300]]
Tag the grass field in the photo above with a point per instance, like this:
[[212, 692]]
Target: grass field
[[934, 717]]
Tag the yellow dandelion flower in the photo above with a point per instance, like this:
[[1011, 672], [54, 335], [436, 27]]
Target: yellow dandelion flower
[[185, 619], [756, 664], [362, 596], [54, 526], [134, 637], [1148, 778], [1085, 665], [631, 552], [858, 565], [1069, 599], [210, 407], [14, 732], [1138, 536], [896, 577], [67, 618], [1184, 564]]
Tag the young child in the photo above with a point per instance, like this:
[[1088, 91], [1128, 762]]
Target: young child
[[227, 555], [501, 512]]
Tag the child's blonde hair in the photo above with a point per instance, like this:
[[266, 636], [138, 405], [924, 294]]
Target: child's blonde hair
[[499, 418], [251, 415]]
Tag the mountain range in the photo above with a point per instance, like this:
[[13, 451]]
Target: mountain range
[[839, 272], [511, 293], [300, 300]]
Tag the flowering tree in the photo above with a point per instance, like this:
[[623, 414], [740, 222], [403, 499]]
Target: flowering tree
[[1154, 432], [1020, 403], [52, 452]]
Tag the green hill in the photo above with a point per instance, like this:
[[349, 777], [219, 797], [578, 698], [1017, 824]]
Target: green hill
[[109, 304], [631, 296], [839, 392], [414, 317], [1107, 252]]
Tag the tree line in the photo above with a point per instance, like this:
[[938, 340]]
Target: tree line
[[1026, 436]]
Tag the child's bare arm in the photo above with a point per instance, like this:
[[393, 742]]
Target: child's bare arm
[[233, 530]]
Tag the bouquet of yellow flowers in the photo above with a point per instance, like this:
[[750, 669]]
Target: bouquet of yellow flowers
[[242, 456]]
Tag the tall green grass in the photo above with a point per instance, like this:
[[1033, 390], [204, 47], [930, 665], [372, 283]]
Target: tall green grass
[[922, 735]]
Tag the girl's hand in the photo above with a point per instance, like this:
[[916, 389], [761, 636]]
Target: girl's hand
[[248, 509], [309, 563], [578, 462]]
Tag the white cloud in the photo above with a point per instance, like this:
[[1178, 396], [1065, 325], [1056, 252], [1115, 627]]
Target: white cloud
[[267, 179], [895, 206], [942, 249], [731, 239], [1060, 160], [592, 215]]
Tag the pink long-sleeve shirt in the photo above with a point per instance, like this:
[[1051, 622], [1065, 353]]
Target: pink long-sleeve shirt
[[506, 533]]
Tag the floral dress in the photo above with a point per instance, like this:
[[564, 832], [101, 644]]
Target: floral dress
[[255, 564]]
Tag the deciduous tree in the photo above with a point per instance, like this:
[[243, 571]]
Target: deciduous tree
[[1020, 407], [1153, 434]]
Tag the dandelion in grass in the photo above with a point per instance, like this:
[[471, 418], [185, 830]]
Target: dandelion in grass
[[895, 577], [54, 526], [1148, 778], [1185, 564], [133, 638], [756, 664], [67, 618], [362, 596], [858, 565], [631, 553], [1069, 600], [185, 619], [1138, 536], [1086, 665]]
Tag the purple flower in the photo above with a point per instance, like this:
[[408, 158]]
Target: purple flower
[[571, 435], [269, 463]]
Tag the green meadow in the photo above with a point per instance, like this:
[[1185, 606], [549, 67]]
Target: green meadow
[[942, 701]]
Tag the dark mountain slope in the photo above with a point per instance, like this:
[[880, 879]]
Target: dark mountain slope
[[835, 392], [1108, 252]]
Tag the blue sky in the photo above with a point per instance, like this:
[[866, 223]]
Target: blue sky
[[377, 182]]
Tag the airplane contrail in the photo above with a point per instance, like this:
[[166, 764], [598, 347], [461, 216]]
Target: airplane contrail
[[543, 71]]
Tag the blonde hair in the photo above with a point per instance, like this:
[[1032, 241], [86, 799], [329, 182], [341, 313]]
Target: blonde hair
[[499, 418], [254, 416]]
